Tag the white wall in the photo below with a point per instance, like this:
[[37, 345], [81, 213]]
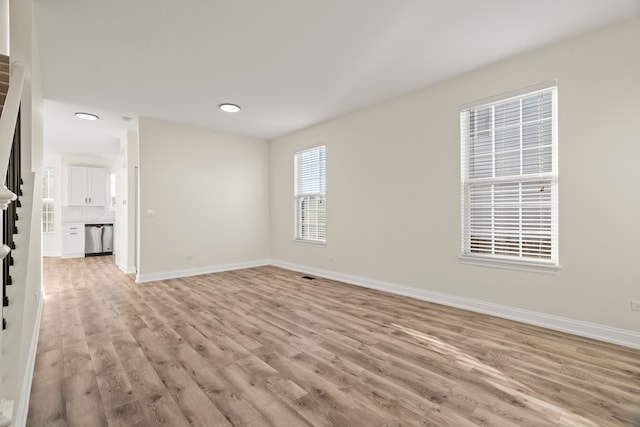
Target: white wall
[[126, 202], [4, 27], [393, 185], [20, 337], [203, 200]]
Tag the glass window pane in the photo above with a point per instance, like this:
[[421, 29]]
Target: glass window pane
[[505, 214], [537, 106], [507, 113], [481, 166], [537, 134], [310, 169], [480, 120], [508, 163], [481, 143], [537, 160], [48, 194], [508, 139]]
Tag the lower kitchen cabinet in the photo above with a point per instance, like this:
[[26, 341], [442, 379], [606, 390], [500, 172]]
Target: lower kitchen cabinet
[[72, 240]]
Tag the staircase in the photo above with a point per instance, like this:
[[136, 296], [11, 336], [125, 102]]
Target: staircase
[[13, 184], [4, 79], [10, 162], [4, 250]]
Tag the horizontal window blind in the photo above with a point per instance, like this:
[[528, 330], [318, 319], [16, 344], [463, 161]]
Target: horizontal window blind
[[310, 195], [47, 216], [48, 181], [509, 178]]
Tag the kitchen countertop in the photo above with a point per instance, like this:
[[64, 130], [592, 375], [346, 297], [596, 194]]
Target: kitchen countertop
[[88, 222], [87, 215]]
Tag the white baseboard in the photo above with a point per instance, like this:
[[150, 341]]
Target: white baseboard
[[74, 255], [576, 327], [176, 274], [51, 254], [23, 403], [129, 269]]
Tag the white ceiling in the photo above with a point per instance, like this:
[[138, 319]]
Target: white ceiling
[[64, 133], [288, 63]]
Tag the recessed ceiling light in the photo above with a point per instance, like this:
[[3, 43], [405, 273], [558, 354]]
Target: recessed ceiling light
[[229, 108], [87, 116]]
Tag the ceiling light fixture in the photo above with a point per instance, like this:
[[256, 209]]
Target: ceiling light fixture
[[229, 108], [87, 116]]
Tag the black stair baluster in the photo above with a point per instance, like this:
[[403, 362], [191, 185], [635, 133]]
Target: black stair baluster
[[13, 182]]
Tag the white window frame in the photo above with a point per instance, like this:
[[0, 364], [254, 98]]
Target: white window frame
[[310, 225], [491, 251], [48, 200]]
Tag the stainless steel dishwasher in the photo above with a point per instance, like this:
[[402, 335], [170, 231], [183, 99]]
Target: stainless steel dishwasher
[[98, 239]]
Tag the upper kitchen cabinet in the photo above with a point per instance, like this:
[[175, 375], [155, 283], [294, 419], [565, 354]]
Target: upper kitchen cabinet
[[87, 186]]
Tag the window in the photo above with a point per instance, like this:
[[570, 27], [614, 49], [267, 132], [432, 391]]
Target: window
[[310, 195], [48, 191], [510, 179]]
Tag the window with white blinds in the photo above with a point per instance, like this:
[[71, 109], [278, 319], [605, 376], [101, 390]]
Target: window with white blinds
[[48, 203], [510, 178], [310, 195]]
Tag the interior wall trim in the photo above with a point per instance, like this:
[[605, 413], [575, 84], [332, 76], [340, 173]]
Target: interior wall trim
[[129, 269], [563, 324], [176, 274], [23, 402]]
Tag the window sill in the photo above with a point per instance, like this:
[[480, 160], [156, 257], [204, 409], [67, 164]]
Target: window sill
[[529, 266], [310, 242]]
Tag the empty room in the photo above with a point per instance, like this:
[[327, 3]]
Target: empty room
[[320, 213]]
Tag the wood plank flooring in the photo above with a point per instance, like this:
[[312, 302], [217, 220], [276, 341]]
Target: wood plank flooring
[[265, 347]]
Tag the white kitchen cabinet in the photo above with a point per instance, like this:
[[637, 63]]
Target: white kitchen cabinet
[[72, 240], [87, 186]]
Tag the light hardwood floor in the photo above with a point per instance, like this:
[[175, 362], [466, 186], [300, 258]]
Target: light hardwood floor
[[264, 346]]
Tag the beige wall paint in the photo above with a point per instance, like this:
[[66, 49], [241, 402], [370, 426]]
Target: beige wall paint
[[393, 185], [209, 194], [4, 27]]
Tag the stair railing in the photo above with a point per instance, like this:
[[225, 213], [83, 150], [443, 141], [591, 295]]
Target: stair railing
[[8, 128], [8, 125]]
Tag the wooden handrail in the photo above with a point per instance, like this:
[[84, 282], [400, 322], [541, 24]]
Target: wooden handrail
[[10, 114], [8, 126]]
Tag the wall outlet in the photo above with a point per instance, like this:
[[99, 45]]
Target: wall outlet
[[635, 305]]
